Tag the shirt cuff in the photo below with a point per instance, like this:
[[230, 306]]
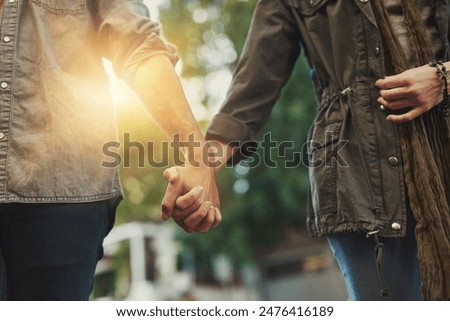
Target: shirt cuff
[[152, 46]]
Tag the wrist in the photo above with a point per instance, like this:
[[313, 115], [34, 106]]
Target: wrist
[[218, 154], [204, 154], [442, 74]]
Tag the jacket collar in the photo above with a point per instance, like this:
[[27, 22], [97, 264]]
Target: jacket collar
[[366, 8]]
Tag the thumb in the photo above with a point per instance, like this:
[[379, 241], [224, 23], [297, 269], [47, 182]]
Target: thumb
[[168, 202], [171, 174]]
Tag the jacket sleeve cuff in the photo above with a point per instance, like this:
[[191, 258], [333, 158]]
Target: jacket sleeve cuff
[[227, 129]]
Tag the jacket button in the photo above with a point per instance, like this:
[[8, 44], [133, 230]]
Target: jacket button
[[393, 161], [396, 226], [377, 51], [364, 1]]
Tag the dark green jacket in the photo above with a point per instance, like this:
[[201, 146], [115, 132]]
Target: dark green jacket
[[356, 175]]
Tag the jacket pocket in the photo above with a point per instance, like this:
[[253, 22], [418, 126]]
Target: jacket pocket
[[323, 147], [307, 7], [62, 6]]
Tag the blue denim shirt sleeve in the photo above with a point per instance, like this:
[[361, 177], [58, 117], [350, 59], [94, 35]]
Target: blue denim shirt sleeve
[[127, 35], [56, 110]]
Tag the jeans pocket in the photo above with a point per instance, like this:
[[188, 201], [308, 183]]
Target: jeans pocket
[[62, 7]]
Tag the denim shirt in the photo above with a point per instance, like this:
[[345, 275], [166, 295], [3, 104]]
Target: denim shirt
[[356, 172], [56, 110]]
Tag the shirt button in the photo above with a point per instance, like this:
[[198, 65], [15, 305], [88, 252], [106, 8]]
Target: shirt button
[[2, 136], [377, 51], [393, 161], [4, 85], [6, 39], [396, 226]]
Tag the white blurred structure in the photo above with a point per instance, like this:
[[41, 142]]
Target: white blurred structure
[[153, 261]]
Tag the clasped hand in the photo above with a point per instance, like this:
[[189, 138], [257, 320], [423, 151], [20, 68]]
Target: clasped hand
[[192, 198]]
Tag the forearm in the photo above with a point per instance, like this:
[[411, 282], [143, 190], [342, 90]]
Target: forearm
[[159, 88]]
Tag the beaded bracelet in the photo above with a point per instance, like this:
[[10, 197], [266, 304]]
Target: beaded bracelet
[[441, 71]]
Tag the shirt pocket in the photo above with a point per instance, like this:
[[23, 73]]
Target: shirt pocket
[[307, 7], [62, 7]]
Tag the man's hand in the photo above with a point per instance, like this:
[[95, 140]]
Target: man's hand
[[416, 90], [192, 198]]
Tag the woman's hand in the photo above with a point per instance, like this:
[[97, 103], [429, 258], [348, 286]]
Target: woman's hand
[[410, 93]]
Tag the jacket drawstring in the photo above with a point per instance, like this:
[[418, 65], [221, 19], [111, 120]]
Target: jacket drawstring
[[379, 246]]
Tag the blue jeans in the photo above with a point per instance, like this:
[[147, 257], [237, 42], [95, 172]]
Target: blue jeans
[[49, 251], [355, 256]]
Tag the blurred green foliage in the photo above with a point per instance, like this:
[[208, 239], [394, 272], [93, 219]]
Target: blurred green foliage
[[275, 200]]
